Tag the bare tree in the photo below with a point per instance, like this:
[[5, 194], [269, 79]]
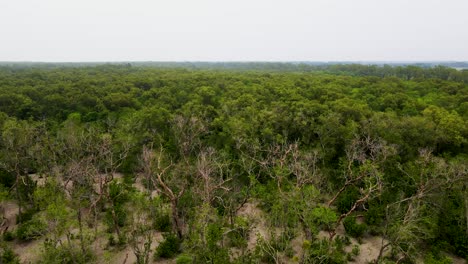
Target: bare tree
[[16, 156], [88, 162], [369, 154], [305, 167], [187, 131], [211, 172], [406, 219], [158, 171]]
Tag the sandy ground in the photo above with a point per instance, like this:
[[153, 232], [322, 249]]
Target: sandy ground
[[369, 246], [28, 252], [10, 210], [297, 245], [369, 249], [458, 260], [258, 223], [124, 255]]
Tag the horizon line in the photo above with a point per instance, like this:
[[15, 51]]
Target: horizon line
[[239, 61]]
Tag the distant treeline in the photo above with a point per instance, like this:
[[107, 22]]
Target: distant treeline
[[456, 71]]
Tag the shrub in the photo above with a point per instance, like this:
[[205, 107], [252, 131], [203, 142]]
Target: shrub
[[121, 217], [31, 229], [323, 217], [184, 259], [236, 239], [431, 259], [7, 178], [355, 251], [346, 200], [65, 255], [375, 214], [162, 221], [8, 256], [324, 251], [169, 247], [25, 215], [353, 228], [8, 236], [239, 235]]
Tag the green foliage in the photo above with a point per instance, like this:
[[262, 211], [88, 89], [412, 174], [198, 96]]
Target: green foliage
[[116, 242], [346, 200], [70, 124], [239, 235], [8, 236], [355, 251], [26, 215], [67, 254], [169, 247], [450, 229], [184, 259], [323, 217], [8, 256], [431, 259], [204, 241], [162, 218], [120, 217], [162, 222], [353, 228], [31, 229], [117, 215], [7, 179], [324, 251], [374, 214]]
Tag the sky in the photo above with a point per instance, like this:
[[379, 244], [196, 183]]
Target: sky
[[234, 30]]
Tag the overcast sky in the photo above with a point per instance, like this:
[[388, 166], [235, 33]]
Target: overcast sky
[[236, 30]]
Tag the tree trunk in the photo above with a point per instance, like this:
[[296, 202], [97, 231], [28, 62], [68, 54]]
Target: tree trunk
[[18, 197], [116, 221], [175, 218], [80, 225]]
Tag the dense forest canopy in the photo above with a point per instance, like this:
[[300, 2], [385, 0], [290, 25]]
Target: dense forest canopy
[[269, 163]]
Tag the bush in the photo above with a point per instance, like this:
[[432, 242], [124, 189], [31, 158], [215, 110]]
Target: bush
[[240, 234], [7, 178], [168, 248], [324, 251], [353, 228], [8, 256], [184, 259], [431, 259], [8, 236], [323, 217], [25, 215], [31, 229], [237, 239], [119, 241], [65, 255], [375, 214], [162, 222], [121, 217], [346, 199]]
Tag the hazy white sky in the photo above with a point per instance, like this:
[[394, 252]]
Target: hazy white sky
[[239, 30]]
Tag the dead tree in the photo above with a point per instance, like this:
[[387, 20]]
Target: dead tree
[[211, 172], [404, 218], [159, 172], [368, 154], [187, 131]]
